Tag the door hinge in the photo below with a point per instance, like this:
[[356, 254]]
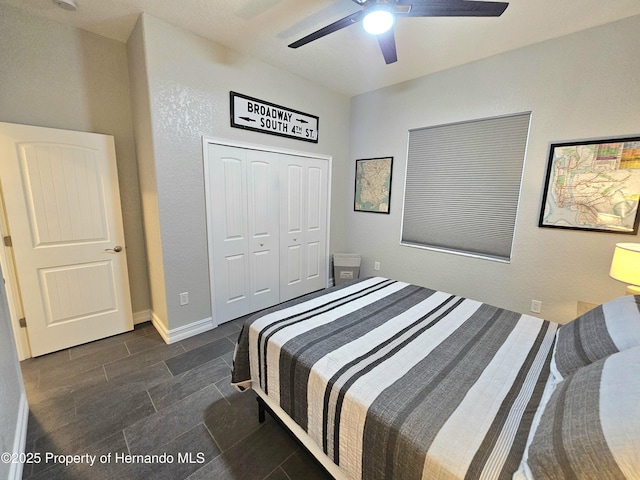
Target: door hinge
[[7, 241], [22, 322]]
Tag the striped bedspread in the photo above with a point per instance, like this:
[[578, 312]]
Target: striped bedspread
[[396, 381]]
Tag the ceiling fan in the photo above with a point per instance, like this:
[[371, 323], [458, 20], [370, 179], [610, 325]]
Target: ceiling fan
[[378, 17]]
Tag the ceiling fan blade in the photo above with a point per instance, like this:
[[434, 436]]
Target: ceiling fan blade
[[334, 27], [387, 43], [453, 8]]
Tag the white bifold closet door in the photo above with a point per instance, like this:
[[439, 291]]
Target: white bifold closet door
[[244, 232], [303, 216], [267, 221]]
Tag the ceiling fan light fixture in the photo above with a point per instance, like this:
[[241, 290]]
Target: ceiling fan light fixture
[[378, 20]]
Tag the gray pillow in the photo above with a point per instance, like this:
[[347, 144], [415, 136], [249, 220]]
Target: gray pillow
[[590, 429], [612, 327]]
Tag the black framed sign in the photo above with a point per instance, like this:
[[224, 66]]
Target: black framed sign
[[259, 116], [593, 185], [373, 185]]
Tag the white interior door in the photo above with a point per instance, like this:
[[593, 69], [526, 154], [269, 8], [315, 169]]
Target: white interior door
[[63, 208], [228, 232], [303, 215], [243, 230], [264, 228]]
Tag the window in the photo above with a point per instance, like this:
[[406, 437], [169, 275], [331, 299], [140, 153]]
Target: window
[[462, 186]]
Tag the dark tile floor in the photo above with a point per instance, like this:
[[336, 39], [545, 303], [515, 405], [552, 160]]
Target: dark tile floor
[[141, 409]]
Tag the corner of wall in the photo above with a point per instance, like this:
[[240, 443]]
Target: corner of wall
[[20, 438], [180, 333], [143, 131]]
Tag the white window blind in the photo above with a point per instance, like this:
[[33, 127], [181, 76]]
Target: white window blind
[[462, 185]]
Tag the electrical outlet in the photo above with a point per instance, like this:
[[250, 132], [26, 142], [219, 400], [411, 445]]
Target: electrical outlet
[[536, 306], [376, 265], [184, 298]]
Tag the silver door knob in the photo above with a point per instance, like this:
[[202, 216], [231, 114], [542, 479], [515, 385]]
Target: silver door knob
[[116, 249]]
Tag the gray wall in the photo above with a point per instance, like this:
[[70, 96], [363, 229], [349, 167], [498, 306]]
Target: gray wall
[[12, 391], [52, 75], [584, 85], [186, 80]]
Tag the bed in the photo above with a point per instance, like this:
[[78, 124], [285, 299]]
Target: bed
[[381, 379]]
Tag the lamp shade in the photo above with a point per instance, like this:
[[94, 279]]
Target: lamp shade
[[625, 265]]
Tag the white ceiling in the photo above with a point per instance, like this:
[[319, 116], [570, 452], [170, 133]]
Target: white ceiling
[[348, 61]]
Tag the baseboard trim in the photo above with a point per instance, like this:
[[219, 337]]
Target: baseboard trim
[[141, 316], [20, 438], [180, 333]]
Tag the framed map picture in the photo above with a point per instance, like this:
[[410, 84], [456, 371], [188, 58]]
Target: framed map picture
[[593, 185], [373, 185]]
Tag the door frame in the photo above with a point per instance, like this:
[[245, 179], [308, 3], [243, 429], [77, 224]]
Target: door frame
[[11, 286], [207, 140]]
